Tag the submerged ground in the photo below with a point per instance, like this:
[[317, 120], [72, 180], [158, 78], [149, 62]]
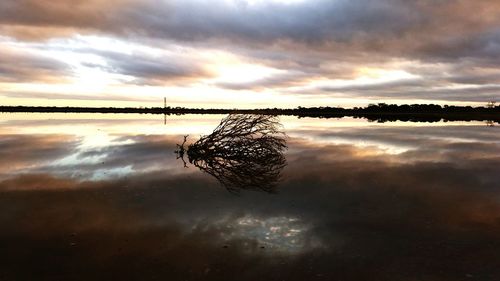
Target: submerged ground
[[100, 197]]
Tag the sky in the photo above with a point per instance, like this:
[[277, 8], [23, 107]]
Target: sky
[[248, 53]]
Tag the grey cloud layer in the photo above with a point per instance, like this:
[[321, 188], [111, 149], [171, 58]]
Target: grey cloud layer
[[147, 69], [19, 66], [395, 25], [302, 37]]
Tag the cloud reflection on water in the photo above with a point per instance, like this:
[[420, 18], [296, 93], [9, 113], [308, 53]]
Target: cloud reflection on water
[[343, 211]]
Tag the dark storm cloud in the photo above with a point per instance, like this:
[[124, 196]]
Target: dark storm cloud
[[153, 70], [428, 28], [485, 44], [422, 88], [48, 17], [475, 93], [309, 22], [193, 20], [276, 81], [476, 79], [19, 66]]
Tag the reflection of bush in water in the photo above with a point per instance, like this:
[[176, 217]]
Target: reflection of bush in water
[[244, 151]]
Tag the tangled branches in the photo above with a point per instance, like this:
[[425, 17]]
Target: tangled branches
[[245, 151]]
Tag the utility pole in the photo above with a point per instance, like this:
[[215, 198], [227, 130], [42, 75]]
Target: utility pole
[[164, 111]]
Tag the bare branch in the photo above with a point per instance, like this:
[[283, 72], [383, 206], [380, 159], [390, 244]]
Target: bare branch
[[245, 151]]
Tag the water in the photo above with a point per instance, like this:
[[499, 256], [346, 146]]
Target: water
[[100, 197]]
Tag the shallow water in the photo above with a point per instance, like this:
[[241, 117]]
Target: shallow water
[[100, 197]]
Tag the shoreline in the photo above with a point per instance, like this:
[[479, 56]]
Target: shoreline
[[427, 113]]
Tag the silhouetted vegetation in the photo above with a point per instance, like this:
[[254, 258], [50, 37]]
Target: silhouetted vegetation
[[381, 112], [245, 151]]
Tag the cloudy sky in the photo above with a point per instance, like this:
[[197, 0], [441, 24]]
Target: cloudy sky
[[248, 53]]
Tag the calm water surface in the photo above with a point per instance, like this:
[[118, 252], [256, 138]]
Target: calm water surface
[[103, 197]]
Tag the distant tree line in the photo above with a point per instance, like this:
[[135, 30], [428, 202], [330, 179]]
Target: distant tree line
[[380, 112]]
